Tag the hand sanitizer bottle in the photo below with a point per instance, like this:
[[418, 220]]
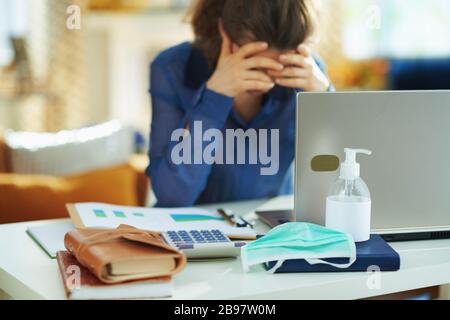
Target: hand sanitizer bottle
[[348, 206]]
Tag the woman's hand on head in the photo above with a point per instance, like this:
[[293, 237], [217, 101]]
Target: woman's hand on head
[[301, 72], [240, 71]]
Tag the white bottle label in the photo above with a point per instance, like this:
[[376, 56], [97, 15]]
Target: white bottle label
[[349, 214]]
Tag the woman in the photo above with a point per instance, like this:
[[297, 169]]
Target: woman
[[248, 61]]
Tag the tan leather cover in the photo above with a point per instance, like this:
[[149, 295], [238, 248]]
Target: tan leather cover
[[96, 249]]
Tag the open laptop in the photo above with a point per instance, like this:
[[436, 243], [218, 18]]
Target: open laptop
[[408, 173]]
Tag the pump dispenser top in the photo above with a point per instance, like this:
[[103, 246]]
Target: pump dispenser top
[[350, 169]]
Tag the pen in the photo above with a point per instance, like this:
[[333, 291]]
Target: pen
[[229, 218], [249, 224], [233, 220]]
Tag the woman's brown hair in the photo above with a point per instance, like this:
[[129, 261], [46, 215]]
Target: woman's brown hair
[[283, 24]]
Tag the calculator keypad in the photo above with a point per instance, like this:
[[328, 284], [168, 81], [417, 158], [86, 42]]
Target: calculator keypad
[[203, 244], [197, 237]]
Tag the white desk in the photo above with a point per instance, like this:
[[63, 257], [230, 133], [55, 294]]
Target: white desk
[[26, 272]]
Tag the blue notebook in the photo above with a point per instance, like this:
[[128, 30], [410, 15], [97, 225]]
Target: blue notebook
[[375, 252]]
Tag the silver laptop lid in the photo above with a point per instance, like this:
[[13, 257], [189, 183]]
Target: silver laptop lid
[[408, 173]]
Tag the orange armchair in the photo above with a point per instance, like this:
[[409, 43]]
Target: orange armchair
[[38, 197], [3, 157]]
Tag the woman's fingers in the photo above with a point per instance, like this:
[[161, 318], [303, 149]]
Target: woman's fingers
[[262, 63], [226, 42], [290, 72], [294, 60], [257, 75], [251, 49], [296, 83], [304, 50], [255, 85]]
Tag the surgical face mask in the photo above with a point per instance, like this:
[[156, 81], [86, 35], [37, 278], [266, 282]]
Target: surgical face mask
[[297, 240]]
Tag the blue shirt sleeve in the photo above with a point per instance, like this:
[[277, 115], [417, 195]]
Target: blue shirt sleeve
[[322, 66], [179, 185]]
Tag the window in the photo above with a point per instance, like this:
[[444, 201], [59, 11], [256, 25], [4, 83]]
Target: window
[[13, 22], [396, 28]]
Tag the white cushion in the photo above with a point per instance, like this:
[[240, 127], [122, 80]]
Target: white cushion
[[69, 152]]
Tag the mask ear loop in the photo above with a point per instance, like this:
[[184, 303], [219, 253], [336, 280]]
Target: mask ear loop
[[352, 257], [336, 265], [276, 266]]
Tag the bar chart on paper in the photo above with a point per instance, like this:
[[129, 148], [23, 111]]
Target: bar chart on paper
[[104, 213], [194, 217], [100, 215]]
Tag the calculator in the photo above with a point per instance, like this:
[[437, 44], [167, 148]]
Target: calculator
[[203, 244]]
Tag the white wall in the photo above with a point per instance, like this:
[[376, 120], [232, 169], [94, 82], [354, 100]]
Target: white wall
[[121, 47]]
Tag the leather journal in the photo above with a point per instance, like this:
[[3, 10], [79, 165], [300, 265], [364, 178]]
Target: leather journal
[[80, 284], [124, 254]]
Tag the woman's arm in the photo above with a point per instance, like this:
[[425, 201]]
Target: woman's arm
[[179, 185]]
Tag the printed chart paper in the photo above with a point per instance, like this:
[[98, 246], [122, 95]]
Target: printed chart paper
[[99, 215]]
